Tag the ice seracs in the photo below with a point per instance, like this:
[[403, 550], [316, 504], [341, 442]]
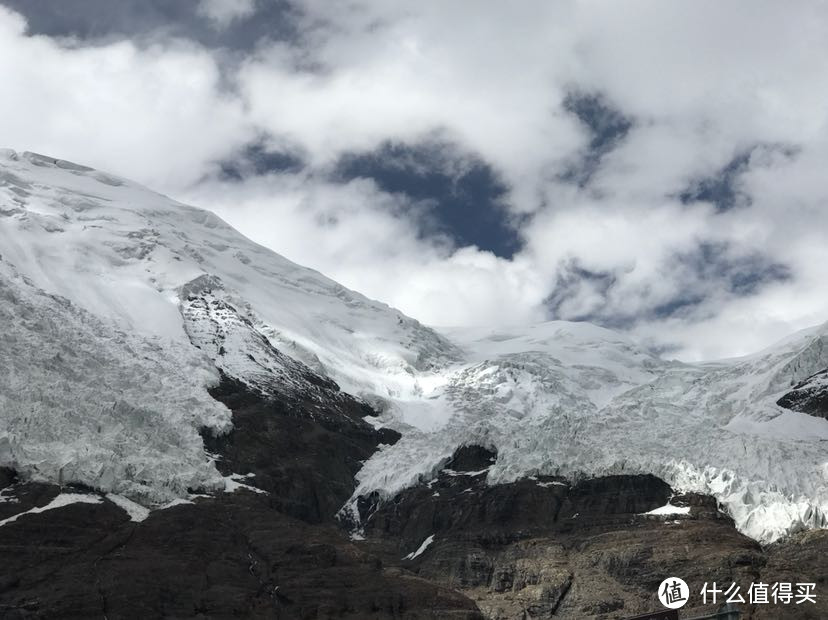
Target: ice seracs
[[580, 401], [121, 307], [83, 401]]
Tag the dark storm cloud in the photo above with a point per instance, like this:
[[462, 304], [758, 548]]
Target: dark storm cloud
[[607, 127], [463, 196], [93, 20]]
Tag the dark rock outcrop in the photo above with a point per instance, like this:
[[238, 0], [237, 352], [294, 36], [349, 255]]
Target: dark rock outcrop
[[7, 477], [471, 458], [223, 557], [304, 454], [809, 396], [545, 548], [799, 559]]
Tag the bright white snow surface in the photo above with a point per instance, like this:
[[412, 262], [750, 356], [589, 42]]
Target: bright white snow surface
[[669, 509], [136, 512], [420, 549], [64, 499], [100, 384]]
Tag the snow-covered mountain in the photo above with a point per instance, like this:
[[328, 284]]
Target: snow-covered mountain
[[122, 307]]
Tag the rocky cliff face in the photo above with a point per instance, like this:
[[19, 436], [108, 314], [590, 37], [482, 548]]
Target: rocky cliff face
[[809, 396], [599, 548], [232, 556]]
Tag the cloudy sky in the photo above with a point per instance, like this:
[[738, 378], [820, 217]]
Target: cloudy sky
[[657, 167]]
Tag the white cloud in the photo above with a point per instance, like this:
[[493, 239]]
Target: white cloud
[[154, 114], [351, 233], [222, 13], [702, 82]]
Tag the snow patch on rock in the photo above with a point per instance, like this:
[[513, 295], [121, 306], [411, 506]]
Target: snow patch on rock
[[136, 512], [420, 549], [669, 509], [64, 499]]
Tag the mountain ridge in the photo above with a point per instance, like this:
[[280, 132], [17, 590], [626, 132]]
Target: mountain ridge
[[553, 398]]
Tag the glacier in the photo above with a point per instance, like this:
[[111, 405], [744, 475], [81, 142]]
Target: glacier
[[105, 362], [573, 400]]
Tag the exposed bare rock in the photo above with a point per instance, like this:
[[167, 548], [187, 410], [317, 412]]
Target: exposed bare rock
[[809, 396], [546, 548], [231, 556]]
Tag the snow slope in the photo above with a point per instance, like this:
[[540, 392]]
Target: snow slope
[[120, 304], [123, 252], [99, 380]]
